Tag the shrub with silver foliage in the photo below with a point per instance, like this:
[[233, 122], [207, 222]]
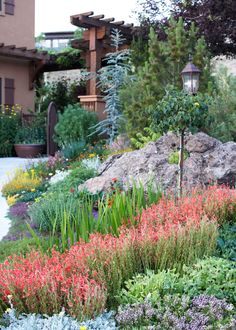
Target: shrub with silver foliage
[[56, 322], [92, 163]]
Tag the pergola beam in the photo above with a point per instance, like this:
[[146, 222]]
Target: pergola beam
[[98, 16], [86, 20], [111, 19]]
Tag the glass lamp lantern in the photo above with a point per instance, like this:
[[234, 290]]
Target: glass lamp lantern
[[190, 75]]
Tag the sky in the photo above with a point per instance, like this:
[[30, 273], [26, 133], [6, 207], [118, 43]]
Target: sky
[[54, 15]]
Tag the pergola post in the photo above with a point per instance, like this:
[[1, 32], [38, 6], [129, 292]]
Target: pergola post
[[95, 45]]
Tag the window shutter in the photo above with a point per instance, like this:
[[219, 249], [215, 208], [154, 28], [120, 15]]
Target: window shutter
[[9, 7], [9, 91]]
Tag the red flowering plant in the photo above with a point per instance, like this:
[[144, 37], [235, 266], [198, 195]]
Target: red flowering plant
[[167, 235], [116, 185], [43, 284]]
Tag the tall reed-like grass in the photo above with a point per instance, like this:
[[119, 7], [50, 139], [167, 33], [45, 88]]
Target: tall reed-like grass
[[114, 210]]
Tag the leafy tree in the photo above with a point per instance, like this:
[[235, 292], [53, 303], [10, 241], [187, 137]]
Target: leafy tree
[[39, 39], [62, 92], [214, 18], [110, 79], [179, 112], [69, 58], [78, 33]]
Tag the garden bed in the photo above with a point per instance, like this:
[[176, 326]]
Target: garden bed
[[85, 258]]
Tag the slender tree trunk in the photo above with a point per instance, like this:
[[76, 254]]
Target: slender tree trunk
[[181, 163]]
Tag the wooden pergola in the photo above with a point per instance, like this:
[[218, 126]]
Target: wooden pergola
[[94, 45]]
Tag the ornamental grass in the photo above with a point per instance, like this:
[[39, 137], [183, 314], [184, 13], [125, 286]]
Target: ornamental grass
[[167, 235]]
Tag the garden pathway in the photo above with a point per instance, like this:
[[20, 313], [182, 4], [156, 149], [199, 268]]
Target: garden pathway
[[7, 168]]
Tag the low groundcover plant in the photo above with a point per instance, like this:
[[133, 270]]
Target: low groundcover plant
[[175, 312]]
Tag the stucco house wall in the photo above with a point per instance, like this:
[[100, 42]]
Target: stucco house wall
[[19, 71], [18, 29]]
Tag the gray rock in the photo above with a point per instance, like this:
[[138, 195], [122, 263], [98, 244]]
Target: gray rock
[[209, 161]]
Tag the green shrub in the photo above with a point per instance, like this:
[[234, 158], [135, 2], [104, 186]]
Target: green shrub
[[174, 157], [226, 242], [9, 122], [142, 139], [31, 135], [76, 177], [18, 247], [153, 286], [75, 124], [31, 196], [73, 150], [210, 276], [222, 109], [48, 212], [63, 92], [149, 84]]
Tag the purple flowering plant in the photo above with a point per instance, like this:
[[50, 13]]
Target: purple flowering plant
[[179, 313], [19, 210]]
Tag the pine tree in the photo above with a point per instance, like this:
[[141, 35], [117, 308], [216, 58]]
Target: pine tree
[[176, 50], [166, 59], [145, 89]]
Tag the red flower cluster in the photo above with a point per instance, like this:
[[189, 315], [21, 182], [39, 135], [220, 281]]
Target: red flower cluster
[[168, 234], [43, 284], [215, 203]]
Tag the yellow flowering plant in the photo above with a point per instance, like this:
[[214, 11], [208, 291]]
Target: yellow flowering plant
[[11, 200], [22, 181]]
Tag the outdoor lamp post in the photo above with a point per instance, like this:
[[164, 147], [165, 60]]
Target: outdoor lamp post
[[190, 75]]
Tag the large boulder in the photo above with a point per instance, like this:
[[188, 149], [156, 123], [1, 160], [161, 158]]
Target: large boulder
[[209, 160]]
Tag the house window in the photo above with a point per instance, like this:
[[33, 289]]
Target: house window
[[9, 86], [1, 7], [7, 91], [9, 7]]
